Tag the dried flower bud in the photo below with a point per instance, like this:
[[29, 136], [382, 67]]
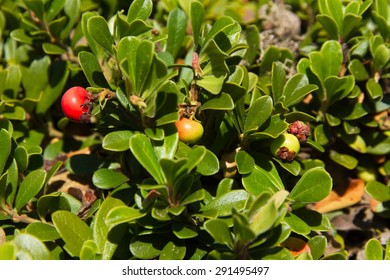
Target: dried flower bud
[[300, 130]]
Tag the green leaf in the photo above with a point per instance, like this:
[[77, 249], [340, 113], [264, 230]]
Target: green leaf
[[21, 157], [107, 179], [381, 57], [100, 229], [196, 18], [168, 146], [324, 67], [173, 250], [350, 23], [123, 214], [219, 230], [58, 76], [44, 232], [272, 128], [278, 80], [117, 141], [72, 230], [140, 9], [135, 59], [224, 204], [30, 247], [296, 89], [97, 50], [334, 9], [52, 49], [296, 224], [147, 246], [143, 151], [209, 165], [54, 9], [92, 71], [378, 191], [313, 186], [345, 160], [358, 70], [89, 250], [5, 144], [258, 113], [338, 88], [259, 181], [72, 12], [317, 246], [245, 162], [330, 26], [374, 89], [264, 214], [374, 250], [7, 251], [99, 31], [30, 187], [222, 101], [176, 25], [195, 157], [39, 69]]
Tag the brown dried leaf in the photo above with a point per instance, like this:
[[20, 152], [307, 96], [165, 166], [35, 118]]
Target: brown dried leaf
[[353, 194]]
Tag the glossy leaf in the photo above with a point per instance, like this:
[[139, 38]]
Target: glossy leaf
[[278, 80], [338, 88], [99, 31], [374, 90], [258, 113], [44, 232], [259, 180], [173, 251], [92, 71], [220, 231], [222, 101], [100, 228], [142, 149], [225, 203], [30, 186], [72, 230], [107, 179], [123, 214], [209, 165], [345, 160], [324, 67], [31, 248], [374, 250], [245, 162], [317, 246], [117, 141], [196, 19], [146, 246], [176, 25], [139, 9], [378, 191], [5, 143], [313, 186], [296, 89], [135, 59]]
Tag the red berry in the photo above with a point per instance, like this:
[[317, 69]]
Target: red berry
[[75, 104], [190, 131]]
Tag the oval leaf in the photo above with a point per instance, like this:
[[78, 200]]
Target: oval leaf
[[72, 230], [313, 186], [30, 187], [107, 179]]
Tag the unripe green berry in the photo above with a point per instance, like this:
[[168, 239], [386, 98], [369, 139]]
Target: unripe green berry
[[285, 147]]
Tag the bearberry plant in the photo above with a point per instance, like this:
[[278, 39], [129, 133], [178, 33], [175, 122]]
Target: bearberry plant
[[193, 129]]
